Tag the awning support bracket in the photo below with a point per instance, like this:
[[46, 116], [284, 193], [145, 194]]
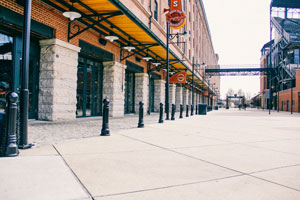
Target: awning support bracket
[[103, 16]]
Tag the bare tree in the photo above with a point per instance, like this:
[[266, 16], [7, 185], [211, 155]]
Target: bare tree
[[248, 96], [230, 92], [240, 92]]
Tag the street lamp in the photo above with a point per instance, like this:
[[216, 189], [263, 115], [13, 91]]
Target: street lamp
[[170, 37]]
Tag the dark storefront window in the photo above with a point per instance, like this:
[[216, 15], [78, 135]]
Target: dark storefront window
[[129, 92], [6, 67], [89, 87], [152, 94]]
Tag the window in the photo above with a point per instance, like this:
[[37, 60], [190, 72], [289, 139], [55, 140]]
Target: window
[[155, 10], [297, 56]]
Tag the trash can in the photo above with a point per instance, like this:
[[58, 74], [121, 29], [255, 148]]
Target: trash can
[[202, 109], [209, 108], [216, 107]]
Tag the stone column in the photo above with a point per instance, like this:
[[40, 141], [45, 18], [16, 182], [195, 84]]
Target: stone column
[[172, 94], [185, 97], [196, 99], [141, 91], [178, 97], [114, 87], [159, 96], [57, 80], [190, 97]]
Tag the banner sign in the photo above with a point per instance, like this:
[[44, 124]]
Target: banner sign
[[179, 77], [205, 93], [175, 16]]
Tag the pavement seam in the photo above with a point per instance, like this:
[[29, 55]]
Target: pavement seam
[[249, 144], [173, 151], [215, 164], [75, 175], [258, 147], [272, 169], [171, 186]]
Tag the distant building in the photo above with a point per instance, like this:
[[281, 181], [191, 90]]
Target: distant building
[[280, 90]]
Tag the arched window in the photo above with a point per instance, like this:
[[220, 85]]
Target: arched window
[[155, 10]]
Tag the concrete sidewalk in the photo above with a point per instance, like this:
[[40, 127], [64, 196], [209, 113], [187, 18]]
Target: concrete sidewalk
[[227, 154]]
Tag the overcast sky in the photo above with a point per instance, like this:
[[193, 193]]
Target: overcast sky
[[239, 29]]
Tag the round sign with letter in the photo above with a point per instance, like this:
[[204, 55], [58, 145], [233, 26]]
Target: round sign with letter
[[176, 17]]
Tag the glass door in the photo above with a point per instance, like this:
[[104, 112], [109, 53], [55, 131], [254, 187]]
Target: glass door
[[129, 92], [89, 87], [33, 80], [151, 89], [6, 67]]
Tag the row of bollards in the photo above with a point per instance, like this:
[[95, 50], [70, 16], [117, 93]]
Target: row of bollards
[[200, 109]]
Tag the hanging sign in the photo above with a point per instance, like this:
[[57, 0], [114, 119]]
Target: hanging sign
[[175, 16], [205, 93], [179, 77]]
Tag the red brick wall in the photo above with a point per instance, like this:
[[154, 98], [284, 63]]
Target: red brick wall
[[263, 78], [285, 96]]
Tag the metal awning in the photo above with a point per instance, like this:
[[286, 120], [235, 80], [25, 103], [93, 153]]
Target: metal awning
[[105, 16], [286, 3]]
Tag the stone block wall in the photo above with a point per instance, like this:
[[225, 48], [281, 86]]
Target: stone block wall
[[172, 94], [114, 87], [178, 98], [190, 97], [57, 80], [141, 91], [159, 96], [185, 97]]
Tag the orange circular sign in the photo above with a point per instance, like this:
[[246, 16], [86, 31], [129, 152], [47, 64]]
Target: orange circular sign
[[176, 18], [180, 77]]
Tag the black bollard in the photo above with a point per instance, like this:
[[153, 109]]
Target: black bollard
[[196, 113], [181, 111], [161, 113], [105, 114], [173, 112], [141, 115], [192, 110], [12, 147], [199, 109], [187, 111]]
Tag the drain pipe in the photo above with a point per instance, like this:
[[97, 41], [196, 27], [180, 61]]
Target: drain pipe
[[151, 14]]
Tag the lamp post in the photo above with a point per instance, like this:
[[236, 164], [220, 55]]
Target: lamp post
[[24, 93], [170, 37], [167, 82], [192, 108]]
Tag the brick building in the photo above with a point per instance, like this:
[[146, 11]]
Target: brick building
[[73, 66], [280, 90]]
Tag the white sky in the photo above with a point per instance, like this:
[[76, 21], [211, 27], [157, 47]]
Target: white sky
[[239, 29]]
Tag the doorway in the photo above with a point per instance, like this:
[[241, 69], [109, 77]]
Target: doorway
[[129, 92], [11, 67], [89, 87], [151, 95]]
